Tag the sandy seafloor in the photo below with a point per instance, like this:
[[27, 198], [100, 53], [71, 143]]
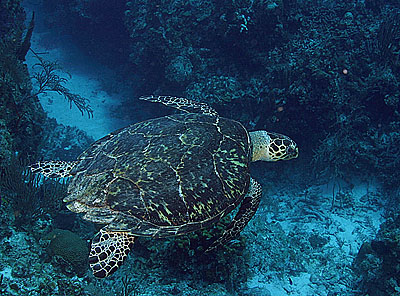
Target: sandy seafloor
[[286, 214], [326, 269]]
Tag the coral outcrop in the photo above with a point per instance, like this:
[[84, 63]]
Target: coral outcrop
[[70, 247]]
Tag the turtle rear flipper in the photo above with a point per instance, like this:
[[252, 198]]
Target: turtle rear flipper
[[53, 169], [108, 251], [246, 211], [182, 104]]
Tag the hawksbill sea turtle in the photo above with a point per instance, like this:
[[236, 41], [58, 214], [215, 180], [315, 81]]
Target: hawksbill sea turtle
[[165, 177]]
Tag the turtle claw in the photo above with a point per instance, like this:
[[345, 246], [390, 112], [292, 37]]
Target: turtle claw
[[108, 251]]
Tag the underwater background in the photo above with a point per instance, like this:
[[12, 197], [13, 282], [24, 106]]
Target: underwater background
[[325, 73]]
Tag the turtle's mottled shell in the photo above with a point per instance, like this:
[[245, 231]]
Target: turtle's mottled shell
[[164, 176]]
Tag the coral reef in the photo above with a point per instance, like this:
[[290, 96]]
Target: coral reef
[[30, 197], [316, 69], [28, 204], [63, 142], [70, 247], [275, 56], [21, 116], [216, 90], [96, 25], [284, 65], [24, 270], [378, 261], [325, 72]]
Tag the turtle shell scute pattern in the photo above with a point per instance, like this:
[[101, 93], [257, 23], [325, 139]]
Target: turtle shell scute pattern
[[164, 176]]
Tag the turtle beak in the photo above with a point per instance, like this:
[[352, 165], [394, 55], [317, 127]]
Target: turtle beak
[[292, 151]]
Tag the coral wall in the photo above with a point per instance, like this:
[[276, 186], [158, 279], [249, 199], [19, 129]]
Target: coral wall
[[21, 115]]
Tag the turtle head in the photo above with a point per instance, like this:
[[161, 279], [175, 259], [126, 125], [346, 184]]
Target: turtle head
[[272, 146]]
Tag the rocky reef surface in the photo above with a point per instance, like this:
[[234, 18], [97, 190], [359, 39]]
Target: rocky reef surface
[[326, 73]]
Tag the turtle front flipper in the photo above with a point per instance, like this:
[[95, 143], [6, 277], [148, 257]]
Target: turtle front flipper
[[182, 104], [53, 169], [108, 251], [246, 211]]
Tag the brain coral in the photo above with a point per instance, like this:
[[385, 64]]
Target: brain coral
[[70, 247]]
